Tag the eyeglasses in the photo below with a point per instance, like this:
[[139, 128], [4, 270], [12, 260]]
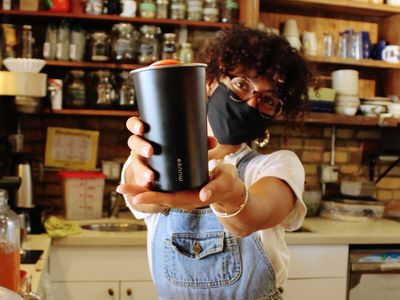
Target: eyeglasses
[[242, 90]]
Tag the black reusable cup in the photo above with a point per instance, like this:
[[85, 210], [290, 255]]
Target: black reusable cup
[[171, 100]]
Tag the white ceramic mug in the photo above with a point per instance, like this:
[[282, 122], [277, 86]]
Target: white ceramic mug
[[290, 28], [345, 81], [310, 43], [391, 54]]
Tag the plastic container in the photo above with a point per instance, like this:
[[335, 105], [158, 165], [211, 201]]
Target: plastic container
[[82, 194]]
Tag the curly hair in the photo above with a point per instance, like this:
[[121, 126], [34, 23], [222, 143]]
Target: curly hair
[[271, 56]]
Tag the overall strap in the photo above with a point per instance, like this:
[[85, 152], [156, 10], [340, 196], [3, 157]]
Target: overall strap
[[243, 162]]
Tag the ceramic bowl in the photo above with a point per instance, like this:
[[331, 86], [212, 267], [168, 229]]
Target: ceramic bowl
[[372, 110], [28, 65]]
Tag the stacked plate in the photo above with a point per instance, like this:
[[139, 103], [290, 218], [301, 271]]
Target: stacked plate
[[374, 106]]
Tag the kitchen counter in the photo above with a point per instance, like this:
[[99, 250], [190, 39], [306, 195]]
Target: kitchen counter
[[37, 242], [314, 231]]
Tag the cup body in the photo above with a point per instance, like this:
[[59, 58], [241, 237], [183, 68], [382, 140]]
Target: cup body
[[310, 43], [345, 81], [391, 54], [290, 28], [171, 101]]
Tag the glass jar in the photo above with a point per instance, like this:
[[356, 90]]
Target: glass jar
[[100, 47], [62, 46], [126, 91], [149, 45], [230, 11], [77, 43], [105, 89], [75, 90], [178, 9], [94, 7], [211, 11], [27, 41], [186, 53], [194, 10], [49, 46], [147, 9], [9, 40], [162, 9], [9, 245], [169, 50], [123, 42]]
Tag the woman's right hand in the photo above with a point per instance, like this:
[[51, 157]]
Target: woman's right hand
[[141, 150]]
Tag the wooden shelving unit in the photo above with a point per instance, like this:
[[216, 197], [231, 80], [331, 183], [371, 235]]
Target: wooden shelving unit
[[94, 65], [367, 63]]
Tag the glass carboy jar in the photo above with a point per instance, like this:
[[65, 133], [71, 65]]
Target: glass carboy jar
[[230, 11], [169, 50], [123, 42], [9, 245], [178, 9], [75, 90], [100, 47], [149, 45], [211, 11], [186, 53], [105, 89]]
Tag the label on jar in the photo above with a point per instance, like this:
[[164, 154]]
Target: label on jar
[[146, 49], [211, 11]]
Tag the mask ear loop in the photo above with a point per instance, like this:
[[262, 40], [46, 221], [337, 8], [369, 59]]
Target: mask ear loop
[[263, 141]]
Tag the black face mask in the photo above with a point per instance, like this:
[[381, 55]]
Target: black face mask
[[233, 122]]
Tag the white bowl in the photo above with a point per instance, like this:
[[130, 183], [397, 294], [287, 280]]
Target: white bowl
[[372, 110], [346, 110], [28, 65]]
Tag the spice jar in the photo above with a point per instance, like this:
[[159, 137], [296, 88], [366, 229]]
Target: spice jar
[[178, 9], [75, 90], [100, 48], [186, 53], [105, 89], [9, 245], [147, 9], [149, 45], [230, 11], [169, 47], [211, 11], [162, 9], [126, 91], [123, 42], [194, 10]]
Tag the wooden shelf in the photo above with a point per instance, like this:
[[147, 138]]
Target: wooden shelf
[[116, 18], [369, 63], [338, 6], [311, 118], [95, 65]]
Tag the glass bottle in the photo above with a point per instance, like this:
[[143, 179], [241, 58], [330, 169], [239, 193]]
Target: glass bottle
[[27, 41], [186, 53], [162, 9], [194, 10], [126, 91], [149, 45], [100, 47], [77, 43], [178, 9], [211, 11], [9, 245], [75, 90], [62, 50], [123, 42], [169, 50], [9, 39], [147, 9], [50, 43], [230, 11], [105, 90]]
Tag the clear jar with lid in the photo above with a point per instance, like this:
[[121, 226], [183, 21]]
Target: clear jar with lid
[[100, 47], [126, 91], [178, 9], [230, 11], [147, 9], [169, 50], [123, 42], [211, 11], [186, 53], [195, 10], [9, 245], [149, 49], [27, 41], [106, 95], [75, 90], [162, 9]]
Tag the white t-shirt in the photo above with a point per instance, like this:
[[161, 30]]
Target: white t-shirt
[[283, 164]]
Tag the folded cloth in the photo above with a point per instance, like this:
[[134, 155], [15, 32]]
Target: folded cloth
[[57, 228]]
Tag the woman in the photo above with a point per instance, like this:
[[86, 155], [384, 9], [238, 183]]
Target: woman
[[226, 241]]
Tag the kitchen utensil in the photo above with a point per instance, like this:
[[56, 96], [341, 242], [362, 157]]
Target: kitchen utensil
[[172, 104]]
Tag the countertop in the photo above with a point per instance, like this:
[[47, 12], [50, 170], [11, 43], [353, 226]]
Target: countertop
[[319, 231], [37, 242]]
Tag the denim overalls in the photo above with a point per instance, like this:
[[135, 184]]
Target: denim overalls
[[195, 258]]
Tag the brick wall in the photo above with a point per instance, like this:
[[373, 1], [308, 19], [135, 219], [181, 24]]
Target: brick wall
[[311, 143]]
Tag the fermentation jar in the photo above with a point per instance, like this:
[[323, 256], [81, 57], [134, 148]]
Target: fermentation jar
[[123, 42], [186, 53], [230, 11], [169, 47], [147, 9], [75, 90], [194, 10], [178, 9], [9, 245], [211, 11], [149, 45], [100, 47], [162, 9]]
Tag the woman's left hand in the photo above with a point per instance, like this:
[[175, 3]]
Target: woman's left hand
[[223, 188]]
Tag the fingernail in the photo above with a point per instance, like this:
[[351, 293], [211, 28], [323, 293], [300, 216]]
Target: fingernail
[[118, 189], [148, 176], [206, 195], [137, 128], [145, 150]]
